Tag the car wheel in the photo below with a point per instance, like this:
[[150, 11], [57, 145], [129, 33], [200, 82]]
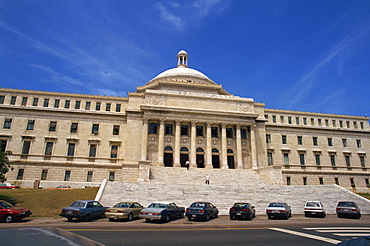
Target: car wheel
[[130, 217], [287, 216], [231, 217], [167, 218], [111, 219], [86, 218], [216, 215], [9, 218], [207, 217], [189, 218], [305, 214], [69, 219], [339, 215], [290, 214], [182, 214], [269, 216], [250, 217], [147, 220], [323, 215], [358, 216]]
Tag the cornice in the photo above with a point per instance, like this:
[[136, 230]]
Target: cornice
[[302, 113]]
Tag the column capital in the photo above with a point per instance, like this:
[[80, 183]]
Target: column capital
[[223, 125], [209, 124], [193, 123], [178, 122], [162, 120], [145, 120]]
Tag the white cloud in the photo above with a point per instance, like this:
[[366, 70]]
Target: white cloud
[[207, 7], [171, 18]]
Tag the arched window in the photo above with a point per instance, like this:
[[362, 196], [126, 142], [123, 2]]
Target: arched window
[[200, 150], [184, 149], [215, 150], [168, 148], [230, 151]]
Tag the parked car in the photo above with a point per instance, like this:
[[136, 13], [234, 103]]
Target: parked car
[[242, 210], [124, 210], [83, 209], [164, 211], [279, 209], [8, 186], [10, 213], [62, 187], [348, 209], [201, 210], [314, 208]]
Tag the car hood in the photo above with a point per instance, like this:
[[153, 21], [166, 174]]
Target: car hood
[[20, 209], [152, 210]]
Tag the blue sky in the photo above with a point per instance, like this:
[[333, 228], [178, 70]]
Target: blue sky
[[311, 55]]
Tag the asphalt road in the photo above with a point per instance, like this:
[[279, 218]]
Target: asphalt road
[[298, 230]]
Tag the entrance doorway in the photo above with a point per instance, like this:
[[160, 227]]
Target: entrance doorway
[[168, 157], [230, 159], [215, 158]]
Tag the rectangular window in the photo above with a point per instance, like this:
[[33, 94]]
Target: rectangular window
[[274, 118], [153, 128], [74, 127], [344, 141], [362, 125], [340, 123], [97, 106], [46, 102], [199, 131], [2, 99], [114, 151], [67, 175], [67, 104], [95, 129], [297, 120], [304, 180], [302, 159], [78, 105], [92, 152], [336, 180], [332, 160], [26, 147], [359, 145], [30, 125], [20, 174], [7, 123], [299, 139], [169, 129], [184, 130], [286, 159], [243, 133], [44, 174], [71, 149], [3, 145], [229, 132], [312, 121], [334, 122], [321, 181], [52, 126], [304, 121], [348, 161], [330, 142], [88, 105], [111, 176], [317, 159], [116, 130], [367, 183], [353, 185], [89, 176], [12, 100], [56, 103], [287, 180], [355, 124], [35, 102], [107, 107], [270, 161], [283, 139], [281, 119], [214, 131], [326, 122], [348, 124], [268, 138], [362, 161], [118, 107], [24, 101], [314, 139], [319, 121], [49, 148], [290, 120]]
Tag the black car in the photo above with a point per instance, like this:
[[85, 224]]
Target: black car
[[348, 209], [201, 210], [242, 210]]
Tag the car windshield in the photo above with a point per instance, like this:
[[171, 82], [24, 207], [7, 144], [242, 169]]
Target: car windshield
[[122, 205], [240, 205], [276, 204], [198, 204], [312, 204], [78, 204], [157, 205], [346, 204], [5, 204]]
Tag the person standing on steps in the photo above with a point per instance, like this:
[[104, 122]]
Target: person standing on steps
[[207, 179], [187, 164]]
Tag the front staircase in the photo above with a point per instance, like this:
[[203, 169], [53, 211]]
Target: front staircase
[[226, 187]]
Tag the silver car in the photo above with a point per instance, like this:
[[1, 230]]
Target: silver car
[[164, 211], [279, 209]]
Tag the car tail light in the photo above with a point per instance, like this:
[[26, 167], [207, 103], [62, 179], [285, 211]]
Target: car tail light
[[247, 210], [282, 211], [232, 209], [338, 209], [202, 211], [120, 211], [76, 212], [268, 211], [354, 210], [187, 210], [143, 213], [63, 211], [107, 210]]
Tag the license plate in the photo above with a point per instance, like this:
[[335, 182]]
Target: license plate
[[149, 213], [69, 212], [313, 213], [112, 216], [193, 215], [238, 213]]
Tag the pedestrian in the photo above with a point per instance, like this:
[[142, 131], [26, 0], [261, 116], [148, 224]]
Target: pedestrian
[[207, 179], [187, 164]]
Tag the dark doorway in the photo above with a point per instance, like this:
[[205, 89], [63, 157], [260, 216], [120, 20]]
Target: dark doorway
[[183, 159], [168, 160], [230, 162], [216, 161], [200, 161]]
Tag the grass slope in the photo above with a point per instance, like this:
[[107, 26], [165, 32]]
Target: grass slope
[[47, 203]]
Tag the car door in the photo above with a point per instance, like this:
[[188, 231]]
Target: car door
[[137, 209], [173, 210], [98, 210]]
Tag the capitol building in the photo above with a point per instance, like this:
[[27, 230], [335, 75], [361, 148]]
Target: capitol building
[[180, 116]]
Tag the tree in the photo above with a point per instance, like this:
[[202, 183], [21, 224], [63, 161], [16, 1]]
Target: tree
[[4, 165]]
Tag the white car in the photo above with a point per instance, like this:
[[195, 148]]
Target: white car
[[314, 208]]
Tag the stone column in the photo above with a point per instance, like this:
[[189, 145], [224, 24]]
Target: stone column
[[144, 140], [209, 146], [177, 144], [223, 147], [193, 145], [239, 153], [253, 147], [161, 143]]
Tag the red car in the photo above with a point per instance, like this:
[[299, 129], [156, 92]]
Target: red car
[[8, 186], [9, 213]]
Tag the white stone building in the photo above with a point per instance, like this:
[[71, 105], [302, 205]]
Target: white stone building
[[180, 115]]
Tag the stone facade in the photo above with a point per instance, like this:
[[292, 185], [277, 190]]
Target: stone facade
[[180, 115]]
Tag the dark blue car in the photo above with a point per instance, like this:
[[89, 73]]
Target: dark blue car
[[201, 210], [83, 209]]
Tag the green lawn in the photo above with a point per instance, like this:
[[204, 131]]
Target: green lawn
[[47, 203]]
